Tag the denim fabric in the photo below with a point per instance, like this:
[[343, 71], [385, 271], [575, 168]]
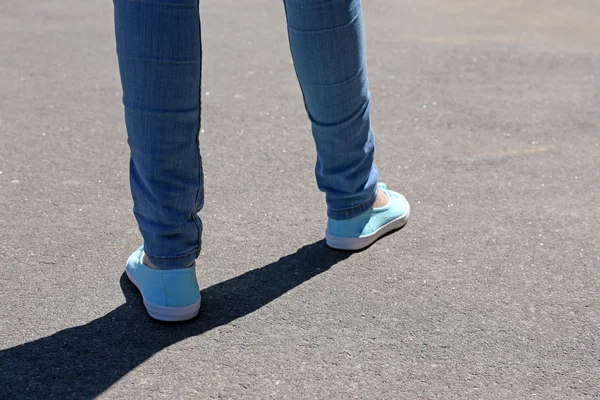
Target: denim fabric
[[159, 52], [328, 49]]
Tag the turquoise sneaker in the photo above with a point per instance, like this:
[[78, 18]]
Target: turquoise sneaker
[[363, 230], [169, 294]]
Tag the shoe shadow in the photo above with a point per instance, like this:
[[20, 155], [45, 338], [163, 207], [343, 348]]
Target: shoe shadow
[[82, 362]]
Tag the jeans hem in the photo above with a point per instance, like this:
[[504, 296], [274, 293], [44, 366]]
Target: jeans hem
[[349, 213]]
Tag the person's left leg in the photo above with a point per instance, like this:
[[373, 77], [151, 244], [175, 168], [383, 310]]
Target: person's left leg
[[159, 52], [328, 47]]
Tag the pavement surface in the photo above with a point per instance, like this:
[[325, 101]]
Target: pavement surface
[[486, 115]]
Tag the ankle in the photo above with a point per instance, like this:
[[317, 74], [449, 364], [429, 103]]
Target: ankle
[[382, 199], [146, 261]]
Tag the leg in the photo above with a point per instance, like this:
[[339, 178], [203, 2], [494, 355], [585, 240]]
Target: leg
[[328, 48], [159, 51], [158, 45]]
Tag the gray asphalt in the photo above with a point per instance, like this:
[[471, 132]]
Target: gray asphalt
[[486, 117]]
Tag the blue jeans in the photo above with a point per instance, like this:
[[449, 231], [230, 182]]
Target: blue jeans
[[160, 59]]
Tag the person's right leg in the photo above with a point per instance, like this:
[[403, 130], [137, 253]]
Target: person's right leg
[[328, 48], [327, 45], [159, 51]]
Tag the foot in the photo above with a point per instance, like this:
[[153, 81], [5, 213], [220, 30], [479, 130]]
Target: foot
[[168, 294], [389, 213]]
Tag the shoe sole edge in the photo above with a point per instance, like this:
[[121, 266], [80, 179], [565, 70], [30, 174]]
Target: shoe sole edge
[[165, 313], [362, 242]]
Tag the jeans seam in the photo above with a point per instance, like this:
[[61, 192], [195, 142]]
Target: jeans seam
[[316, 31], [347, 81]]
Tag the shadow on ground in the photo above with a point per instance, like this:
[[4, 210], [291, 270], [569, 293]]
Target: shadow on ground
[[84, 361]]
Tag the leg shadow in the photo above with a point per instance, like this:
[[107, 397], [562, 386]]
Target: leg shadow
[[82, 362]]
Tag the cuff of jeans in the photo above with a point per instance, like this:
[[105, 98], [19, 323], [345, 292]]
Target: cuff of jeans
[[354, 211]]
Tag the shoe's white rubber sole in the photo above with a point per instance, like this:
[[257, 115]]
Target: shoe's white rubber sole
[[361, 242], [167, 314]]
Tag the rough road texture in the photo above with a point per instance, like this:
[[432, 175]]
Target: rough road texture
[[486, 116]]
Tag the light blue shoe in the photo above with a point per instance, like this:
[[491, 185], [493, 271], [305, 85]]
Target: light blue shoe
[[169, 295], [363, 230]]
